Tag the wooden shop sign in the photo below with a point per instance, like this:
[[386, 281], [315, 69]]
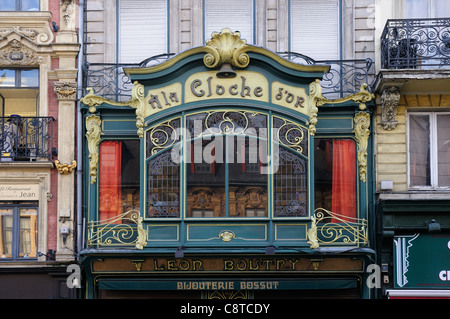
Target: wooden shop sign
[[228, 265]]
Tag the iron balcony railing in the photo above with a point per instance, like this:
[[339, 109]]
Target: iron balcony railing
[[416, 44], [345, 76], [25, 138], [109, 80]]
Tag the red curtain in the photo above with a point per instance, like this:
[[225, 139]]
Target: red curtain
[[344, 178], [110, 179]]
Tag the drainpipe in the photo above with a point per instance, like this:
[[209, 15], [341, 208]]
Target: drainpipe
[[80, 233]]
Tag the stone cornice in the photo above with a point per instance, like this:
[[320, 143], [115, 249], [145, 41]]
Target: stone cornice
[[34, 26]]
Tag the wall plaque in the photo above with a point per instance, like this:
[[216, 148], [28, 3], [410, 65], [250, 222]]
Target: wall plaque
[[19, 192]]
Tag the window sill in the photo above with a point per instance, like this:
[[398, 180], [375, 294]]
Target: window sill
[[20, 165], [417, 195]]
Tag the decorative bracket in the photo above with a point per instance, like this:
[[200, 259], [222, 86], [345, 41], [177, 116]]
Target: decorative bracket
[[65, 169], [66, 91], [137, 102], [389, 104]]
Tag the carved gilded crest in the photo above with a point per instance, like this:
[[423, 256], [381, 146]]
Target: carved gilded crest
[[226, 47]]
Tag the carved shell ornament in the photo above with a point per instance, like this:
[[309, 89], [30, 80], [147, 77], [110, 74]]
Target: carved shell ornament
[[226, 47]]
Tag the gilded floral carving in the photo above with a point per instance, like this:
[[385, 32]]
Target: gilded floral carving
[[93, 134], [362, 133]]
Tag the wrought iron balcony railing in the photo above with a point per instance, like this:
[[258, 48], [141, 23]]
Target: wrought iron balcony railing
[[416, 44], [345, 76], [109, 80], [25, 138]]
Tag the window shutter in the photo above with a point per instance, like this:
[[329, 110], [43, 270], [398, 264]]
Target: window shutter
[[142, 29], [315, 28], [220, 14]]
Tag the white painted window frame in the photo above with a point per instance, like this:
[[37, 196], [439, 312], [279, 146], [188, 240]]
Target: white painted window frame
[[433, 152]]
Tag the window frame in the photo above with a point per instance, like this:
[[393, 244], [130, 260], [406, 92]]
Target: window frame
[[18, 6], [16, 208], [119, 44], [253, 24], [18, 85], [99, 186], [339, 35], [270, 214], [432, 115]]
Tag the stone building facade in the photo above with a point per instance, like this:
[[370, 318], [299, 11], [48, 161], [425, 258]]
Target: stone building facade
[[38, 61]]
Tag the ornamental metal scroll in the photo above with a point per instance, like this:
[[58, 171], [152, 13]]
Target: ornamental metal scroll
[[330, 228], [122, 230]]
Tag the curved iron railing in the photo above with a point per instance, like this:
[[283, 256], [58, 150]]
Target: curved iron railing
[[345, 76], [416, 44], [110, 81]]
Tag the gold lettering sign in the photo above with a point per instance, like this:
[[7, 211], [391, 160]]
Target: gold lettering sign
[[230, 265], [163, 98], [19, 192], [245, 85], [290, 96]]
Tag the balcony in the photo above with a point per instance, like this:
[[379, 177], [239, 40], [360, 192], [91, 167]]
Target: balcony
[[416, 44], [26, 138]]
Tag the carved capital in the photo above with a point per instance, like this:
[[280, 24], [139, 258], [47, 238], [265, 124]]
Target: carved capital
[[389, 104], [65, 169], [66, 91]]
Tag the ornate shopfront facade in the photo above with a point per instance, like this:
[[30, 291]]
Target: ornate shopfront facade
[[227, 175]]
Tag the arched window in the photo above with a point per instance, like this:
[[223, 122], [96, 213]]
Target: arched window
[[229, 163]]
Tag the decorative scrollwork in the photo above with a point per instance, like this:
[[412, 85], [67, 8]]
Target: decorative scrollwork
[[291, 135], [122, 230], [330, 228], [227, 122], [162, 136]]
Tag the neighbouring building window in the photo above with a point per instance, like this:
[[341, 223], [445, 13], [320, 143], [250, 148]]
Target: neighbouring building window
[[19, 5], [18, 230], [335, 176], [429, 149], [416, 9], [23, 135], [119, 179], [236, 15], [143, 29], [19, 92], [315, 28]]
